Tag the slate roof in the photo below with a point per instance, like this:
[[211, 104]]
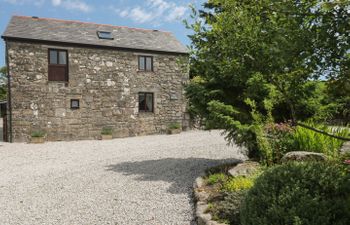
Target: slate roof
[[75, 32]]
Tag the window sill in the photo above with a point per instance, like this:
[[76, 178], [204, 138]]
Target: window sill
[[145, 71], [65, 83], [145, 114]]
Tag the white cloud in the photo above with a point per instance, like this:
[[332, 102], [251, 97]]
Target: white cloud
[[21, 2], [72, 5], [139, 15], [177, 13], [56, 2], [153, 11]]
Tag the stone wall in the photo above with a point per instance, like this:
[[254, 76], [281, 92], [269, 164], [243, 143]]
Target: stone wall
[[106, 82]]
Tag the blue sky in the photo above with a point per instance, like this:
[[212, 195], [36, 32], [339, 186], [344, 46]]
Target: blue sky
[[149, 14]]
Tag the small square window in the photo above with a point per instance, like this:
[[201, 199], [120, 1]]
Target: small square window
[[74, 104], [145, 63]]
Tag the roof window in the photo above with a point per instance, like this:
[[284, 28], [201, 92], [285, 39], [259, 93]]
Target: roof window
[[105, 35]]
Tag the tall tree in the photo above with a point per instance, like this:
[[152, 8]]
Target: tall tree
[[261, 55], [3, 83]]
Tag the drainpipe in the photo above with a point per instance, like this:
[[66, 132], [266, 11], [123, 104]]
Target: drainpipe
[[9, 135]]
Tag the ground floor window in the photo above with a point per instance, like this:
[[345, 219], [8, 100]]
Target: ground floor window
[[146, 102]]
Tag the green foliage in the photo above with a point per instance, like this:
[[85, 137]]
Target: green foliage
[[216, 178], [107, 131], [228, 210], [280, 140], [272, 54], [3, 83], [37, 133], [238, 184], [338, 90], [299, 193], [308, 140], [174, 126]]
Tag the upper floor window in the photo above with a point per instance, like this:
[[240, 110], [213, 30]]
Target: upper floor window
[[58, 65], [145, 63]]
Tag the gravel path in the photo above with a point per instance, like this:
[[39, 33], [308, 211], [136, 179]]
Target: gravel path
[[139, 180]]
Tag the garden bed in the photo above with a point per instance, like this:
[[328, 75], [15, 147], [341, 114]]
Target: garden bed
[[218, 194]]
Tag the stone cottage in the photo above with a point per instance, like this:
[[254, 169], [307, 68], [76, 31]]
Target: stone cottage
[[71, 79]]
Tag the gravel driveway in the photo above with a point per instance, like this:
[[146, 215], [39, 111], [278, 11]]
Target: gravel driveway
[[138, 180]]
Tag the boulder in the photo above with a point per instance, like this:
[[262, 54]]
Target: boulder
[[303, 156], [244, 169], [345, 148]]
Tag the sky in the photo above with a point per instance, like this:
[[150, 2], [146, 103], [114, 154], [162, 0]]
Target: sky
[[148, 14]]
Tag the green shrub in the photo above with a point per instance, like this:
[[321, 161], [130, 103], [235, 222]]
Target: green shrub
[[275, 140], [279, 139], [228, 210], [174, 126], [107, 131], [308, 140], [299, 194], [216, 178], [238, 183], [37, 133]]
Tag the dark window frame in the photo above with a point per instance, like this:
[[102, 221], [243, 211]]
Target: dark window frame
[[74, 107], [145, 63], [58, 65], [100, 33], [145, 97]]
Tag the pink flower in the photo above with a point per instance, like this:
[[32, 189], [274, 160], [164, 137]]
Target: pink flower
[[347, 161]]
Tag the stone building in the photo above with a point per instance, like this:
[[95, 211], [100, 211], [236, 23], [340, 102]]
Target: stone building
[[71, 79]]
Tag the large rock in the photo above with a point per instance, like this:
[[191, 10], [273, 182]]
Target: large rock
[[303, 156], [244, 169], [345, 148]]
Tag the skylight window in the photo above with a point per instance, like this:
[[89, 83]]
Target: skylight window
[[105, 35]]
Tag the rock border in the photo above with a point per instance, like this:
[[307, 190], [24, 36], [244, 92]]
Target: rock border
[[202, 217], [201, 204]]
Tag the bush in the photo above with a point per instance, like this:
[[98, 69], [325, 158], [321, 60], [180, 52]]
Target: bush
[[107, 131], [174, 126], [279, 138], [238, 184], [228, 210], [276, 140], [37, 133], [216, 178], [299, 194], [308, 140]]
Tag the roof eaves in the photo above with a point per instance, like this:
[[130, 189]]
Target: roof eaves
[[6, 38]]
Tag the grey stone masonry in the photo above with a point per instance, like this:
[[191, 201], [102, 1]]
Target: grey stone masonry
[[105, 81]]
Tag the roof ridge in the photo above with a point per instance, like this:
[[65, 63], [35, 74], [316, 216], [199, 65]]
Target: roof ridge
[[92, 23]]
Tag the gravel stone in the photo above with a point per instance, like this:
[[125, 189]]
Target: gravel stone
[[139, 180]]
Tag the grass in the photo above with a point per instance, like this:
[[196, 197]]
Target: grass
[[308, 140], [37, 133], [107, 131], [216, 178], [174, 126]]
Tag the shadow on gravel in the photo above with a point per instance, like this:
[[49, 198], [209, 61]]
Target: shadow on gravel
[[179, 172]]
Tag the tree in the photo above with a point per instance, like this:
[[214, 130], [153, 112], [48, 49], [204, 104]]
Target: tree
[[3, 83], [254, 60]]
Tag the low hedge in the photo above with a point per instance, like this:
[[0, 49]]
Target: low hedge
[[299, 194]]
